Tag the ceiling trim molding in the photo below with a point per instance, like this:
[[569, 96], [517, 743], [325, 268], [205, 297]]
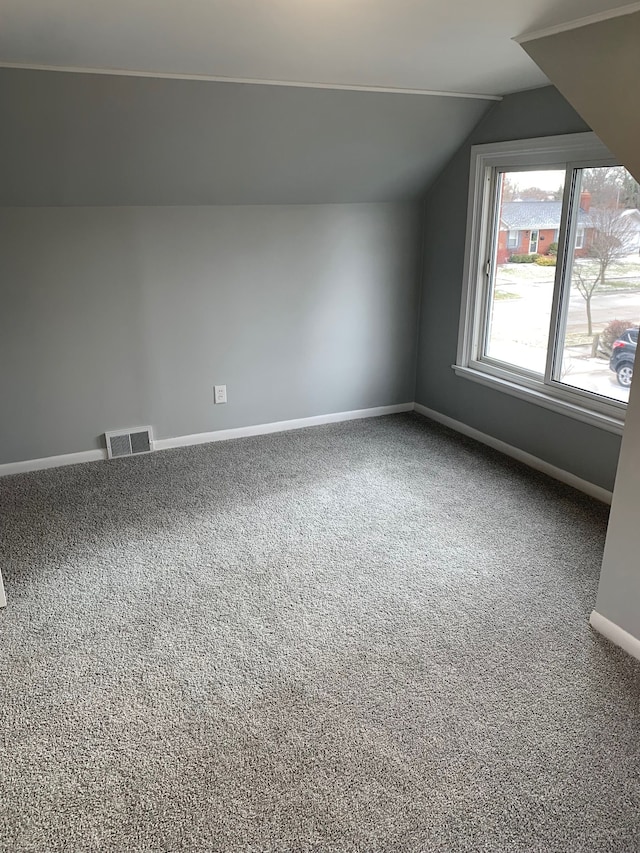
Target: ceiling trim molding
[[597, 18], [297, 84]]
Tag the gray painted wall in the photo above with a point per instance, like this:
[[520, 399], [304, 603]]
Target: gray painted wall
[[584, 450], [90, 139], [113, 317], [619, 589]]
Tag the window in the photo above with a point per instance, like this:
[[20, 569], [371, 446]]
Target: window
[[513, 239], [549, 324]]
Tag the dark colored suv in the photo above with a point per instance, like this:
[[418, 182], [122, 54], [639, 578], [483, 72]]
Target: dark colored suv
[[623, 354]]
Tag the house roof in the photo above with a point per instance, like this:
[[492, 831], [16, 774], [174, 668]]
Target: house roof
[[632, 213], [536, 215]]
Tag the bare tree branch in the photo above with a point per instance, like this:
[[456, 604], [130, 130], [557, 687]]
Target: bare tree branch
[[611, 238], [586, 288]]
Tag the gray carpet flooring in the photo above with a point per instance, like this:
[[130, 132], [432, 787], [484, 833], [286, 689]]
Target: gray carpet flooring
[[363, 637]]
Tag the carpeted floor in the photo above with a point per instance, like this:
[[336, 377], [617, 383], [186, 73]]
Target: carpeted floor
[[364, 637]]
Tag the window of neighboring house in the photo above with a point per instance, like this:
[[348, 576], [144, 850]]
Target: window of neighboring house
[[513, 239], [546, 328]]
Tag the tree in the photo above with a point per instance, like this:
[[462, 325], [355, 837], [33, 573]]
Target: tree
[[509, 189], [611, 233], [586, 287], [535, 194], [611, 185], [511, 192], [630, 191]]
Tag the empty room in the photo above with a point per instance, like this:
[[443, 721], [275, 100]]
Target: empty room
[[319, 446]]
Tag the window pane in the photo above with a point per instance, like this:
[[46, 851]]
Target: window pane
[[523, 270], [599, 340]]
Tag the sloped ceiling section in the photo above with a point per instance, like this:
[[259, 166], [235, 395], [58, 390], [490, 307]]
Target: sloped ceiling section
[[597, 69], [455, 45], [89, 139]]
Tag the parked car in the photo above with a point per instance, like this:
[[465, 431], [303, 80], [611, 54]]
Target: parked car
[[623, 355]]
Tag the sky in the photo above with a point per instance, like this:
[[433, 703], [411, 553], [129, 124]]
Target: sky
[[550, 179]]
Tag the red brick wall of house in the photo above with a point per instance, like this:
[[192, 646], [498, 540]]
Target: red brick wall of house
[[545, 239]]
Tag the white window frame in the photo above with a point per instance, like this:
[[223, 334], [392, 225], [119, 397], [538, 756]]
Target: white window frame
[[515, 243], [580, 237], [571, 152]]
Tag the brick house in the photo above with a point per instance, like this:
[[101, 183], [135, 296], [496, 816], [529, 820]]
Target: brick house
[[531, 227]]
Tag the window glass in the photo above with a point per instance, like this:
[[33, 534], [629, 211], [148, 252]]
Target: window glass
[[521, 285], [598, 339]]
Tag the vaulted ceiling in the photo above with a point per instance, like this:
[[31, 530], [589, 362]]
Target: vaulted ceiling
[[249, 101], [455, 45]]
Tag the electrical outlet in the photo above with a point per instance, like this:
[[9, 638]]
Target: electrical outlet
[[219, 393]]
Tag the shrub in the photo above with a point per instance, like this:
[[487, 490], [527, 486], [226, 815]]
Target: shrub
[[546, 261], [553, 249], [612, 331], [523, 259]]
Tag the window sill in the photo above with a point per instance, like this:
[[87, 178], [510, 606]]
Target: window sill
[[544, 397]]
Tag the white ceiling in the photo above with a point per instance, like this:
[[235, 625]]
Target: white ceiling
[[442, 45]]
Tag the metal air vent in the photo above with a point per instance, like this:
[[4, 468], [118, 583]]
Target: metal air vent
[[128, 442]]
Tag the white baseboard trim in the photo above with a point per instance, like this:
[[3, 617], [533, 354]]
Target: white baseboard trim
[[51, 462], [527, 458], [318, 420], [615, 633], [278, 426], [205, 438]]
